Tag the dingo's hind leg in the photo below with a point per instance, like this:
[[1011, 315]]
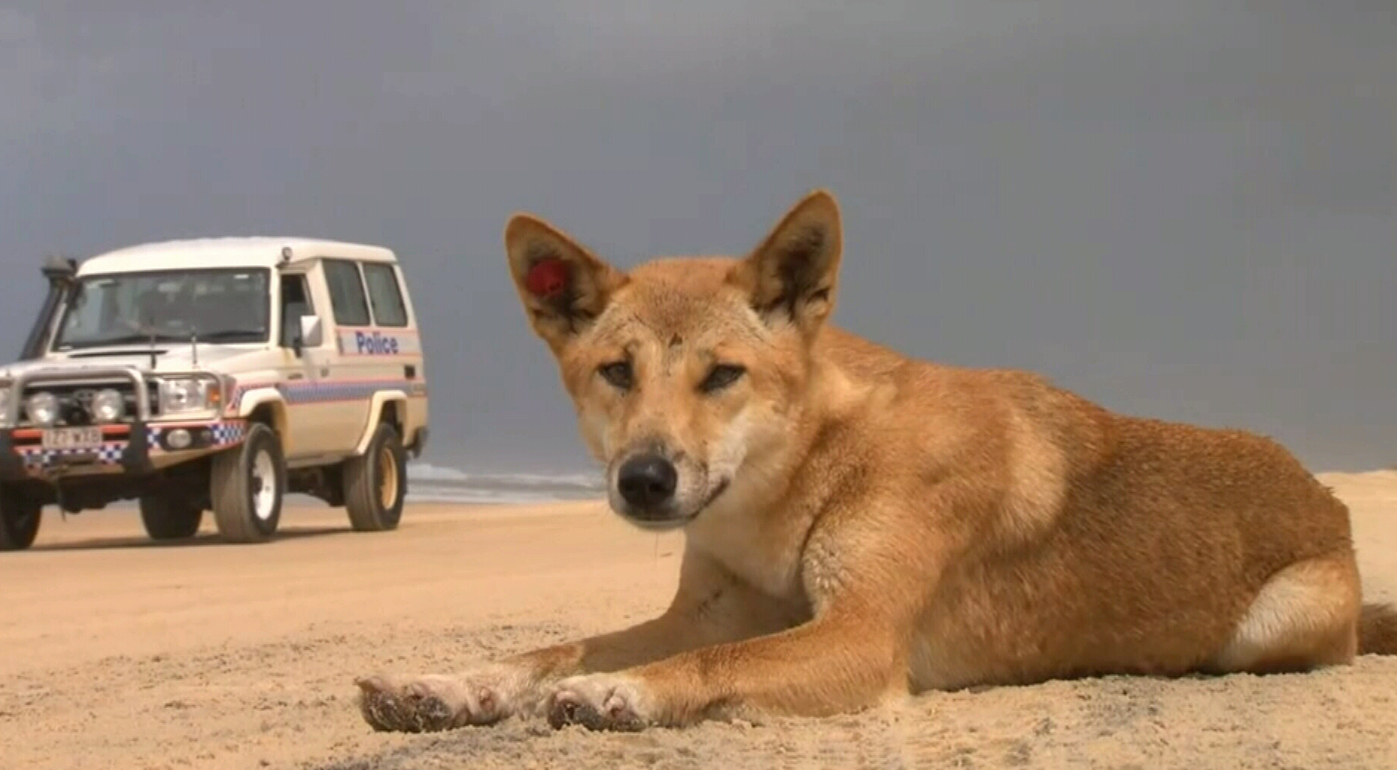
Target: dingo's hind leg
[[1304, 617]]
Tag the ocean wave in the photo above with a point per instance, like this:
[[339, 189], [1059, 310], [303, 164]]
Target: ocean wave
[[436, 474], [435, 483]]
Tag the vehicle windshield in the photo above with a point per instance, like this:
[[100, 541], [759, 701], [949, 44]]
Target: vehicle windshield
[[223, 305]]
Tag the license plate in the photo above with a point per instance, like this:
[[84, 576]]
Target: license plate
[[72, 438]]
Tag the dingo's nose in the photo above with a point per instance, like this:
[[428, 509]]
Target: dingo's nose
[[647, 481]]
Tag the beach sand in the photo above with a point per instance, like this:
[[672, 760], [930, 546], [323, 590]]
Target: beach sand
[[118, 653]]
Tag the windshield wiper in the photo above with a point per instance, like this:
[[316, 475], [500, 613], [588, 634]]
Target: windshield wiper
[[229, 334], [125, 339]]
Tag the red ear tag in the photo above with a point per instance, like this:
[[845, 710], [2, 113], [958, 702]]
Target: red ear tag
[[547, 278]]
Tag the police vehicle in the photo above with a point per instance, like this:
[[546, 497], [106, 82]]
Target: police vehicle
[[215, 375]]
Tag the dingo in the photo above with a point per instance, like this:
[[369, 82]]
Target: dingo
[[860, 525]]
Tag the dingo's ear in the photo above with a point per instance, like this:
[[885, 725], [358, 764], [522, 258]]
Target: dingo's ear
[[562, 285], [792, 275]]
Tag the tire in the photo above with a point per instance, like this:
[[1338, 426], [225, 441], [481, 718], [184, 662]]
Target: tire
[[19, 520], [375, 484], [247, 485], [170, 518]]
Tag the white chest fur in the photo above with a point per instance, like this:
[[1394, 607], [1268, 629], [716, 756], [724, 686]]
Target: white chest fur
[[764, 553]]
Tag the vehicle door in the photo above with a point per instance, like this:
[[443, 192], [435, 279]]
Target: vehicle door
[[351, 382], [397, 359], [305, 369]]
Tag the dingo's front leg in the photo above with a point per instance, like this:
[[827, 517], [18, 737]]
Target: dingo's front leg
[[867, 592], [710, 607], [495, 690], [828, 666]]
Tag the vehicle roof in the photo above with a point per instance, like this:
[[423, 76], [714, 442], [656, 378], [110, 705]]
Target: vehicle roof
[[258, 251]]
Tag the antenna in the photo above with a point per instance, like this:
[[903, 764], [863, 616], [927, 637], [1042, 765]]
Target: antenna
[[59, 272], [150, 332]]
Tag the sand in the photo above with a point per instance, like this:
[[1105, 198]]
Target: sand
[[122, 654]]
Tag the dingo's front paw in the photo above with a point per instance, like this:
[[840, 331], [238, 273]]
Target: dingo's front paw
[[599, 702], [438, 702]]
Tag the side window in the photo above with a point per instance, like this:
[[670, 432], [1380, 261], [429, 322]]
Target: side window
[[295, 302], [347, 299], [385, 294]]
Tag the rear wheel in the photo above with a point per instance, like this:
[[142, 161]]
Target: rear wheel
[[247, 485], [168, 517], [19, 519], [375, 484]]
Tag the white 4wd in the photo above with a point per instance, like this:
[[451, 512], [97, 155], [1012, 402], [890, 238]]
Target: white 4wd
[[215, 374]]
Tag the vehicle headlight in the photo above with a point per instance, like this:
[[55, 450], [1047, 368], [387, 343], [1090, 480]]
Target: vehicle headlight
[[188, 394], [42, 408], [108, 405]]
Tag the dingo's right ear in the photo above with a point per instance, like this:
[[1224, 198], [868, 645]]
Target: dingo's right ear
[[562, 285]]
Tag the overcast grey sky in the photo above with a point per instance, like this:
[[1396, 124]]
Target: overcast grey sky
[[1182, 209]]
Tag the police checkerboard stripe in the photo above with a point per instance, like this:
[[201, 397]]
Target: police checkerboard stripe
[[331, 391], [225, 433], [328, 391], [107, 454], [229, 432]]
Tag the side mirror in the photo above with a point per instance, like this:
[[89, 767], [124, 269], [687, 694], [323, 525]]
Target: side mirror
[[312, 332]]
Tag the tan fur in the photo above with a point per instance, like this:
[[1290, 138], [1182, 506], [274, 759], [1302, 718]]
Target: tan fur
[[1377, 630], [861, 525]]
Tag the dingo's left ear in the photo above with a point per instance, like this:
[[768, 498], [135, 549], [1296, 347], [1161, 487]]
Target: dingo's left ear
[[792, 275], [563, 286]]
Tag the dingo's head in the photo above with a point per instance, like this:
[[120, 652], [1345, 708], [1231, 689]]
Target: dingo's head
[[688, 375]]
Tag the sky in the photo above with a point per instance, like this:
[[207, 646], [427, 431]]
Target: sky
[[1180, 209]]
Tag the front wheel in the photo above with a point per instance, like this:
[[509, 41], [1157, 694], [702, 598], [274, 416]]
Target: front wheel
[[19, 519], [168, 517], [247, 485], [375, 484]]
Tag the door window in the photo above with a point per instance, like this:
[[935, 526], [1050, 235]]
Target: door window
[[295, 303], [387, 298], [347, 299]]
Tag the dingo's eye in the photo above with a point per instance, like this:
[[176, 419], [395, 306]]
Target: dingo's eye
[[721, 376], [618, 374]]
